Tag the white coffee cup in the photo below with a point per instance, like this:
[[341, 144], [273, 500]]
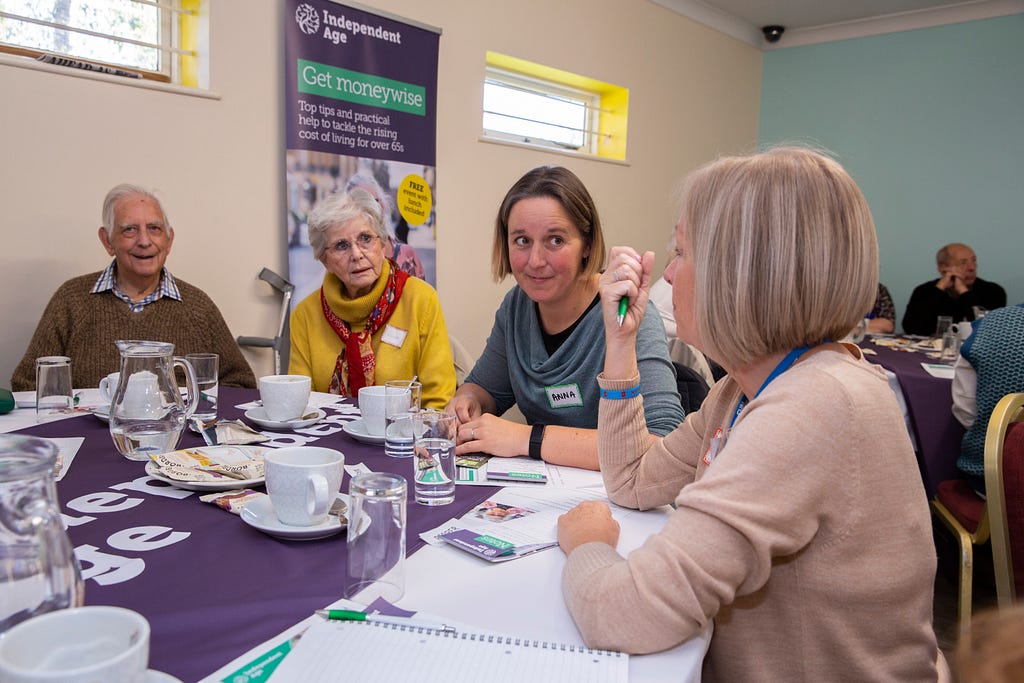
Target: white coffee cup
[[284, 397], [962, 330], [141, 395], [303, 482], [371, 405], [78, 645], [108, 385]]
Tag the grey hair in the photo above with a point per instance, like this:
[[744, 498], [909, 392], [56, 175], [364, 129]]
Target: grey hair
[[123, 191], [339, 209], [369, 183]]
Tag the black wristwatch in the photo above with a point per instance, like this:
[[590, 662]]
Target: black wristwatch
[[536, 437]]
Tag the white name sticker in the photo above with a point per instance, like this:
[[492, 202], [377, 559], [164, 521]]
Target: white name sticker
[[394, 336], [564, 395]]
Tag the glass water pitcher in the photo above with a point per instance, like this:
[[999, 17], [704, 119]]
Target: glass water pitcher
[[147, 414], [38, 569]]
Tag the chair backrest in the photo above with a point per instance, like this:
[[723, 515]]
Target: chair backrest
[[462, 358], [1004, 486], [693, 389]]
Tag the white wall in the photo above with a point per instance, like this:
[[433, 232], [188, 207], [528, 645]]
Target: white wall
[[217, 164]]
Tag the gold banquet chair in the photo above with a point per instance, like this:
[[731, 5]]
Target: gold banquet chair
[[966, 514], [1004, 486]]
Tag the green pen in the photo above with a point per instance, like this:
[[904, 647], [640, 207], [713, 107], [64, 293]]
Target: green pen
[[623, 307], [353, 615]]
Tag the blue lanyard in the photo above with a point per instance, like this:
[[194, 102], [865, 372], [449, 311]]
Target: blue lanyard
[[783, 365]]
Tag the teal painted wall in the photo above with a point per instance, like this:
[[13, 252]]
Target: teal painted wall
[[930, 123]]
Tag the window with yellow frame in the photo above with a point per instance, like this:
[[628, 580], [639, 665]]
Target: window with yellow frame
[[153, 39], [536, 105]]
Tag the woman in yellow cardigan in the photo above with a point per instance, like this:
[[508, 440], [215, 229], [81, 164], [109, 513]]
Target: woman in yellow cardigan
[[369, 322]]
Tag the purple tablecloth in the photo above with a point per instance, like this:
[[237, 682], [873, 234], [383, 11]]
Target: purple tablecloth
[[930, 407], [211, 586]]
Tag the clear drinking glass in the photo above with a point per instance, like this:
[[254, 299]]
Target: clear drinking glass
[[950, 347], [206, 367], [942, 325], [38, 569], [434, 464], [376, 538], [54, 394], [401, 403]]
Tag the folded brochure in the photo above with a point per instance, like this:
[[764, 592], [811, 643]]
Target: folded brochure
[[514, 523]]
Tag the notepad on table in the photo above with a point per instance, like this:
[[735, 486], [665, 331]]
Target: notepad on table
[[368, 651]]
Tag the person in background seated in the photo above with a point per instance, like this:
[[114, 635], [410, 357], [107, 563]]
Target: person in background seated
[[546, 346], [370, 321], [990, 366], [135, 297], [678, 350], [959, 293], [783, 510], [882, 318]]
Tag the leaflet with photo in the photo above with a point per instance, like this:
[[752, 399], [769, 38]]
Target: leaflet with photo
[[514, 523]]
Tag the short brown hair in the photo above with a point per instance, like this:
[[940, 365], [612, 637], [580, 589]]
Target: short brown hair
[[784, 251], [562, 185]]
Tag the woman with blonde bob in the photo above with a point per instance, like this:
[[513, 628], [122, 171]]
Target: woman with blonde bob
[[801, 527]]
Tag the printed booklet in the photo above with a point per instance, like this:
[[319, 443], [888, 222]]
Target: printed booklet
[[514, 523]]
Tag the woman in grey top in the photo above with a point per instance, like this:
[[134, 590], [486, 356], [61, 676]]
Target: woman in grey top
[[547, 343]]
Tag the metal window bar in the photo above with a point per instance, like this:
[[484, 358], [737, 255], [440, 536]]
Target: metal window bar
[[98, 34], [586, 131], [541, 93]]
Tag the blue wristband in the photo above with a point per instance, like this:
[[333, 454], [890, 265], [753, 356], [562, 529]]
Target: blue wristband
[[619, 395]]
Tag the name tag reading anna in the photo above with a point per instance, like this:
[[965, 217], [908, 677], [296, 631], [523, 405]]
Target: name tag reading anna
[[394, 336], [564, 395]]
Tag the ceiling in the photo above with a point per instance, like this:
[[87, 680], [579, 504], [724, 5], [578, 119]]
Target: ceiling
[[816, 21]]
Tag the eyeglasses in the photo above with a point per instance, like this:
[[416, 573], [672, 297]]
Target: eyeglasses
[[363, 240]]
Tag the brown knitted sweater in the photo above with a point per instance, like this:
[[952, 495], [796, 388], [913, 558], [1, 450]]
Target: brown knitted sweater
[[84, 326]]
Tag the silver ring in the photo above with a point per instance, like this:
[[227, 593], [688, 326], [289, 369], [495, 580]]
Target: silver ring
[[615, 274], [472, 434]]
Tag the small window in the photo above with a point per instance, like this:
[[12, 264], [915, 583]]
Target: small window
[[532, 104], [531, 111], [149, 38]]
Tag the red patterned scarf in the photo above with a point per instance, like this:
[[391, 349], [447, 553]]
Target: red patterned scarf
[[354, 368]]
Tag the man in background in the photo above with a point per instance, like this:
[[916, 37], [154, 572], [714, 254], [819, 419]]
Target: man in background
[[135, 297], [959, 293]]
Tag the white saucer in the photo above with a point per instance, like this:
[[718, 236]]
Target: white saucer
[[154, 676], [259, 416], [260, 514], [357, 430], [103, 414], [219, 485]]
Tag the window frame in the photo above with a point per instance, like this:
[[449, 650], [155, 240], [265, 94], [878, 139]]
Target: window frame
[[177, 46], [608, 118], [590, 101]]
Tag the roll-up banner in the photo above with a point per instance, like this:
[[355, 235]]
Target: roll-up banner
[[360, 110]]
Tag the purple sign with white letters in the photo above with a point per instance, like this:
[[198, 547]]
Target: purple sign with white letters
[[359, 84]]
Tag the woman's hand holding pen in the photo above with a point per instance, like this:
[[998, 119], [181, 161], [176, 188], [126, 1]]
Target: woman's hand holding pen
[[628, 276]]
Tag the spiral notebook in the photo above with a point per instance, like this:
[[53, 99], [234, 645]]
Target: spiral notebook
[[370, 651]]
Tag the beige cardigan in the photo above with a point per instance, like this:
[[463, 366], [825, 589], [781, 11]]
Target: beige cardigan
[[807, 540]]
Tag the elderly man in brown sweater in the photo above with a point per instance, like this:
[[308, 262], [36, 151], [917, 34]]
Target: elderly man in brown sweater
[[135, 297]]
